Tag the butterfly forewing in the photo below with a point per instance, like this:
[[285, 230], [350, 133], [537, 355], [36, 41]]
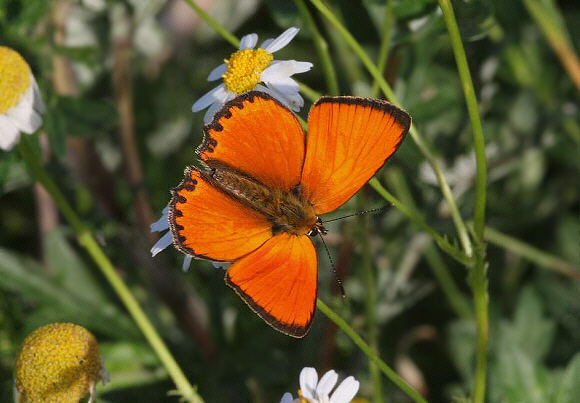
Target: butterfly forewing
[[256, 135], [348, 140]]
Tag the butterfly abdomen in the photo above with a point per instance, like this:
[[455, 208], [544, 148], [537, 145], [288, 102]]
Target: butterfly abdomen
[[286, 210]]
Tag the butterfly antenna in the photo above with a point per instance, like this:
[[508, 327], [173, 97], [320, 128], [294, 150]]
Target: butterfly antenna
[[338, 280], [360, 213]]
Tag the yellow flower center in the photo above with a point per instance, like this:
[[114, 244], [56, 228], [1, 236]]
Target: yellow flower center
[[245, 69], [15, 78], [57, 363]]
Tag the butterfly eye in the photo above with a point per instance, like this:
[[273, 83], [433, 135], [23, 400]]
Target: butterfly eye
[[318, 229]]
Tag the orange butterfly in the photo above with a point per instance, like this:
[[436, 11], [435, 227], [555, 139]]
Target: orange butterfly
[[264, 186]]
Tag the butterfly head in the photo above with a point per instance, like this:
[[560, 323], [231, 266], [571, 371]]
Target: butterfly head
[[318, 229]]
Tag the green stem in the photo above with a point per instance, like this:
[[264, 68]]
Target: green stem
[[371, 299], [557, 37], [537, 256], [308, 92], [385, 42], [473, 110], [321, 48], [479, 275], [366, 349], [442, 242], [480, 299], [92, 247], [454, 296], [227, 35], [386, 89]]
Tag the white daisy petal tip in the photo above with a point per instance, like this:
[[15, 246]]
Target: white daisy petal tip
[[282, 40], [314, 391], [248, 41], [161, 244]]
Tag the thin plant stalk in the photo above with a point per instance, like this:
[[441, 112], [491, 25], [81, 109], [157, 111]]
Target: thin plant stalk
[[224, 33], [557, 38], [455, 297], [385, 43], [321, 47], [366, 349], [478, 276], [386, 89], [371, 299], [473, 110], [410, 213], [86, 240], [534, 255]]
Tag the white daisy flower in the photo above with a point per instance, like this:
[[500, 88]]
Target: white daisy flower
[[162, 225], [248, 67], [314, 391], [20, 103]]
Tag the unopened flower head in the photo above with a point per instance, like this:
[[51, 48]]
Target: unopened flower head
[[20, 103], [58, 363], [314, 391], [248, 68]]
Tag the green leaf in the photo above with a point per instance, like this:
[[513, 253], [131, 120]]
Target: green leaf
[[87, 117], [69, 269], [530, 331], [35, 284], [132, 364], [56, 129], [569, 389]]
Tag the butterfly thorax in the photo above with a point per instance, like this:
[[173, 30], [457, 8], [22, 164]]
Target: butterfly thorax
[[288, 211]]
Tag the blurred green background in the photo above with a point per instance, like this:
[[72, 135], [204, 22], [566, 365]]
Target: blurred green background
[[119, 78]]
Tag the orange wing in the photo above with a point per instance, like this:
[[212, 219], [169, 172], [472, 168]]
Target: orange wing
[[208, 224], [349, 140], [279, 282], [256, 135]]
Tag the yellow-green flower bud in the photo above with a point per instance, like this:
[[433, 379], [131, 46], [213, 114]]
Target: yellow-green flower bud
[[58, 363]]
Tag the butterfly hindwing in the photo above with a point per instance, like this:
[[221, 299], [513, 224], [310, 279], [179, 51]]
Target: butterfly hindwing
[[349, 140], [208, 224], [279, 282], [258, 136]]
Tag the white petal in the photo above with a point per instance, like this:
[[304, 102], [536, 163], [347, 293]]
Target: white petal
[[220, 265], [248, 41], [326, 383], [38, 104], [285, 68], [346, 391], [209, 98], [273, 93], [281, 41], [308, 381], [162, 224], [212, 111], [266, 43], [292, 99], [163, 243], [186, 263], [9, 134], [218, 72], [287, 398], [23, 115]]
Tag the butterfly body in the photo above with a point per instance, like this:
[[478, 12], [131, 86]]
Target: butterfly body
[[264, 186], [287, 211]]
